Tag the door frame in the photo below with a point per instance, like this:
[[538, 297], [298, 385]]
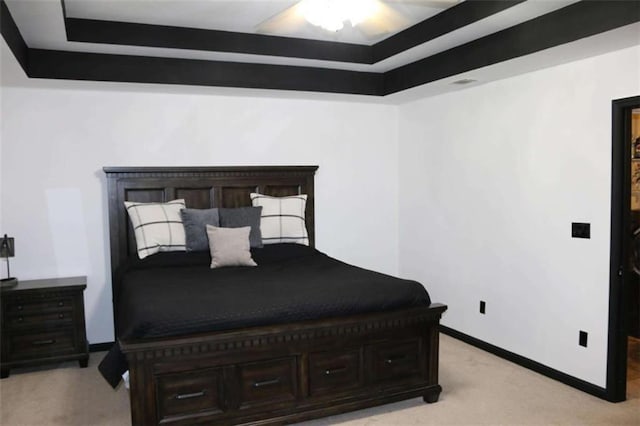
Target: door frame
[[620, 246]]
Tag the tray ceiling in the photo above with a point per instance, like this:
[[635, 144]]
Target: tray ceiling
[[237, 16], [219, 43]]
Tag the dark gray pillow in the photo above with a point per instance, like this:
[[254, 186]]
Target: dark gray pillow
[[195, 227], [243, 216]]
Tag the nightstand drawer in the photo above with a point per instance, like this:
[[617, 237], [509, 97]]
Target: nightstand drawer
[[39, 344], [48, 320], [39, 305]]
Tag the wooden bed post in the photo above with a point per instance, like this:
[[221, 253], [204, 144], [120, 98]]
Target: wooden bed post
[[433, 337]]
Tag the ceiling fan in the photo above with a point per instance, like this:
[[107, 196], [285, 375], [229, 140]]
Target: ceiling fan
[[373, 18]]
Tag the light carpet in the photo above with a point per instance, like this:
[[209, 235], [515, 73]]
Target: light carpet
[[479, 389]]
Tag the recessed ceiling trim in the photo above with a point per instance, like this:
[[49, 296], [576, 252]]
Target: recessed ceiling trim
[[133, 34], [161, 36], [12, 36], [56, 64], [451, 19], [576, 21]]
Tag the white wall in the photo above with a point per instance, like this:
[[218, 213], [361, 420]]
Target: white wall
[[490, 180], [55, 143]]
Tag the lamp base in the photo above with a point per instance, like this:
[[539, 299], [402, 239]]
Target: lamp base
[[8, 282]]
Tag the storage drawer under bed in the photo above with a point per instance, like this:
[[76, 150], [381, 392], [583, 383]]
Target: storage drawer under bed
[[395, 361], [267, 382], [197, 393], [335, 371]]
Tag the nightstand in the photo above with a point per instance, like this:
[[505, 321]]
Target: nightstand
[[43, 321]]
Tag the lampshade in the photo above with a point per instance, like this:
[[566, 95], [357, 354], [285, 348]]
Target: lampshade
[[7, 248]]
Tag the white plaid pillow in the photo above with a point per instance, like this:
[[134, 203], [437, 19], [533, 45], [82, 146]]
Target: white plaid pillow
[[157, 226], [283, 219]]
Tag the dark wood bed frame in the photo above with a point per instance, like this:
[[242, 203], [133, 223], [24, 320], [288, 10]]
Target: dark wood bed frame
[[270, 374]]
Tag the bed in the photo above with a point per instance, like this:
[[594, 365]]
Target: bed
[[272, 353]]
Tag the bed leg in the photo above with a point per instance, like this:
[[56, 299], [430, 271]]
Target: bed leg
[[432, 395]]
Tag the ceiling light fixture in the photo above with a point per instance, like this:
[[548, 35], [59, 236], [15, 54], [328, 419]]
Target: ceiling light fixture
[[332, 14]]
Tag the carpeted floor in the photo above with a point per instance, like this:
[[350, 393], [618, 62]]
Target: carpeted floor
[[479, 388]]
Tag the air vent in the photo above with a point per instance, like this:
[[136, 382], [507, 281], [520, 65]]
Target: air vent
[[465, 81]]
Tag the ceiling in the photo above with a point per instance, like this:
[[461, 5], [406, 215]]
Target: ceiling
[[237, 16], [219, 43]]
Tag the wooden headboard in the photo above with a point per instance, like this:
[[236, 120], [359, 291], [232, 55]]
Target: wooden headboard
[[201, 187]]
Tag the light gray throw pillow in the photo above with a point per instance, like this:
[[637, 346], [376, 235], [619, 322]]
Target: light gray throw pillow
[[229, 246], [195, 222]]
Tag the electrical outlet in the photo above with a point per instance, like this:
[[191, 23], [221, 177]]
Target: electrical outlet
[[483, 306], [580, 230], [582, 341]]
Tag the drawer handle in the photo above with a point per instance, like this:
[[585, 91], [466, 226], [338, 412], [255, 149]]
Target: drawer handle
[[19, 307], [394, 359], [20, 319], [60, 316], [43, 342], [336, 370], [190, 395], [266, 382], [60, 303]]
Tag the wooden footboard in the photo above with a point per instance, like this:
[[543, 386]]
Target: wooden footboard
[[286, 373]]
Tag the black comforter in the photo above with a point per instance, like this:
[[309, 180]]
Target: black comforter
[[173, 294]]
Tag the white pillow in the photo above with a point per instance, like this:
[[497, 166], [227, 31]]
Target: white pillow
[[283, 219], [157, 226], [229, 246]]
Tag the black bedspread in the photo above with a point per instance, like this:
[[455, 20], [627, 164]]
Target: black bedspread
[[175, 294]]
